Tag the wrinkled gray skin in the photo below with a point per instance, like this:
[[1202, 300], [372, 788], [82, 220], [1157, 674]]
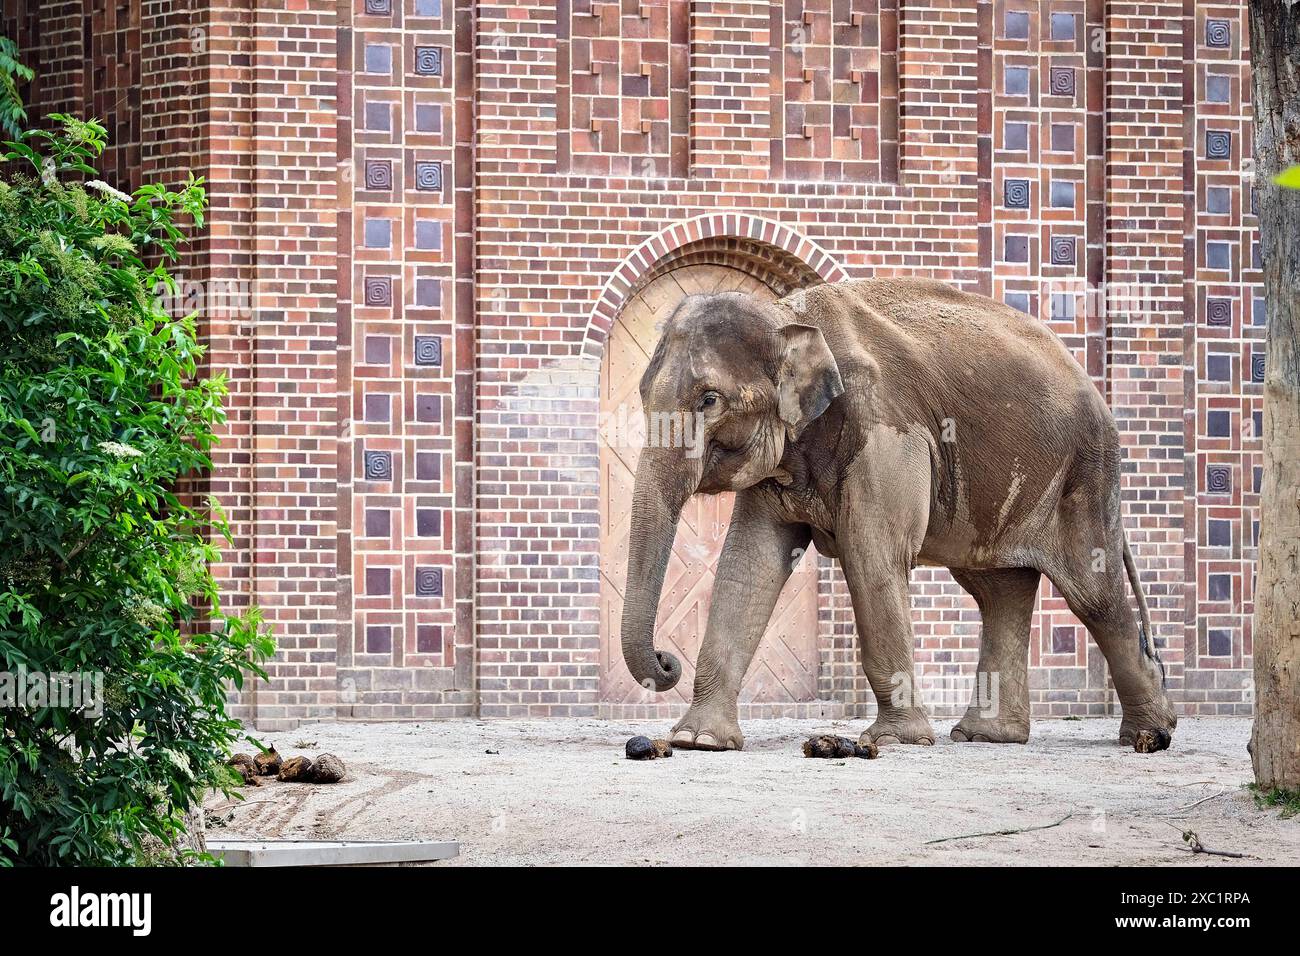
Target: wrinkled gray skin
[[892, 423]]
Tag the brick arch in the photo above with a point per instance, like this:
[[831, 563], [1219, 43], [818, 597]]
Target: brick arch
[[774, 253]]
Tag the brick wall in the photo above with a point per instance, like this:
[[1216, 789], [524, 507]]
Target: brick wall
[[431, 210]]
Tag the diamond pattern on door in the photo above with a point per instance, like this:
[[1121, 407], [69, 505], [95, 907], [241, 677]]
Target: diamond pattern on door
[[785, 667]]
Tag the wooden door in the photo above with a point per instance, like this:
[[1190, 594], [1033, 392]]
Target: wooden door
[[785, 667]]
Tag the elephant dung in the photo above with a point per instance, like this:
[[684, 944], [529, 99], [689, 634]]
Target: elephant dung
[[327, 769], [243, 765], [643, 748], [828, 747], [1150, 741], [268, 762], [295, 769]]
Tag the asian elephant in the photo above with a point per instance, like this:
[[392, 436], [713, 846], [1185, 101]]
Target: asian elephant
[[894, 423]]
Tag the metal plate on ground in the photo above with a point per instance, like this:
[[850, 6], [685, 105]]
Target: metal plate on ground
[[329, 852]]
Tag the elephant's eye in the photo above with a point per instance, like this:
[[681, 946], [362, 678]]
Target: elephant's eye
[[708, 400]]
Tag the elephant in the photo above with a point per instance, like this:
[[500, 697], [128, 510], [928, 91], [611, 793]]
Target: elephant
[[892, 423]]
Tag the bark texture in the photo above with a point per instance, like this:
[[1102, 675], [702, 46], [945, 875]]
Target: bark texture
[[1275, 55]]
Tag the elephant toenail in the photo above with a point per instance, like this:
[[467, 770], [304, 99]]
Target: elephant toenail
[[706, 740]]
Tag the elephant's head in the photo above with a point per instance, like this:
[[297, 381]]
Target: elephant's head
[[732, 380]]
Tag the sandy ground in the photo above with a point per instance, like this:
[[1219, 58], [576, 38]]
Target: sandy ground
[[560, 792]]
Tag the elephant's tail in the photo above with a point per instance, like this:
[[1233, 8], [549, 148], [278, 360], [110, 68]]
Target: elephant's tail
[[1144, 613]]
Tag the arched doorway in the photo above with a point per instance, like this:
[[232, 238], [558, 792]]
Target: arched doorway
[[785, 669]]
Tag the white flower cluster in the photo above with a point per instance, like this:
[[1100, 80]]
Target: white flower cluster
[[119, 450]]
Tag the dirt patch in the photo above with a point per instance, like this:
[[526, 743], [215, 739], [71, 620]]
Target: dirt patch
[[562, 792]]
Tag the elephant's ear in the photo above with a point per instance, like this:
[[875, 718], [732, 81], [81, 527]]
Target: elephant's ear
[[808, 379]]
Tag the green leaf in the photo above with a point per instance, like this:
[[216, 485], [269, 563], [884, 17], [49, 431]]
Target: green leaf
[[1290, 178]]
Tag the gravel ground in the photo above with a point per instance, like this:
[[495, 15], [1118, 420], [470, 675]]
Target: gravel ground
[[560, 792]]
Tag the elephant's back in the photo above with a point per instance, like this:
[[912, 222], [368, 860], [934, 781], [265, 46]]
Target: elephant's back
[[921, 329], [1009, 408]]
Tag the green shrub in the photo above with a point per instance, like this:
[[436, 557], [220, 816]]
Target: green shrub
[[103, 568]]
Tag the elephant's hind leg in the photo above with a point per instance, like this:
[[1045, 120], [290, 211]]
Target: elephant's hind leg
[[1098, 596], [999, 707]]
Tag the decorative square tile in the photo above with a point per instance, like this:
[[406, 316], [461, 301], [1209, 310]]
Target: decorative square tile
[[1015, 136], [1062, 250], [428, 522], [1017, 300], [428, 293], [428, 8], [379, 523], [1218, 424], [428, 177], [1062, 138], [1016, 249], [428, 350], [428, 408], [377, 408], [428, 61], [1062, 194], [1218, 33], [1257, 482], [1218, 144], [1220, 642], [1063, 639], [1257, 366], [1218, 89], [428, 118], [1219, 533], [378, 466], [1218, 200], [1218, 367], [378, 233], [1062, 305], [1061, 81], [379, 116], [428, 639], [1218, 255], [379, 58], [1063, 26], [378, 349], [428, 234], [379, 8], [379, 639], [1218, 480], [379, 581], [1218, 587], [1218, 311], [379, 174], [1015, 193], [428, 581], [428, 466], [1015, 81], [1016, 25], [378, 291], [1259, 312]]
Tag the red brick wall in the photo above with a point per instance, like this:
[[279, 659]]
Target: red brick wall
[[430, 210]]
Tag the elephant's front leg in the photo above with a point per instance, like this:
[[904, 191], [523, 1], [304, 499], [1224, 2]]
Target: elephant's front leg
[[881, 534], [757, 558]]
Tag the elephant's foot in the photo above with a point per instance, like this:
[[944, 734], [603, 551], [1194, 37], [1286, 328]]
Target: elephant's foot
[[905, 726], [706, 729], [990, 730], [1155, 715]]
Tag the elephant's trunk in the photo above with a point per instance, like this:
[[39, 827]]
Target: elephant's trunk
[[658, 495]]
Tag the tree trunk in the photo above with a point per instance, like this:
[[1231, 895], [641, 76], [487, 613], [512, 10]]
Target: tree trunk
[[1275, 61]]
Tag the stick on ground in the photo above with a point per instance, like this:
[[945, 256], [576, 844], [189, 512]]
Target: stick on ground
[[970, 836]]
